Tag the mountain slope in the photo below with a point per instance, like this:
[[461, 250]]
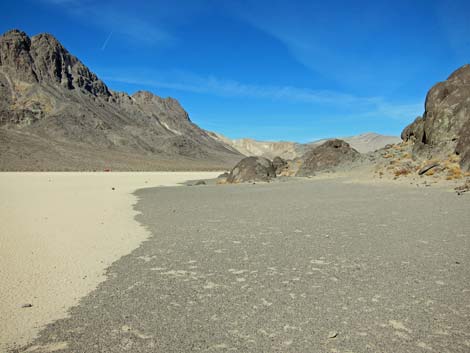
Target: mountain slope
[[52, 105]]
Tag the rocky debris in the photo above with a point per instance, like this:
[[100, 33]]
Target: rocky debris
[[327, 156], [291, 168], [427, 168], [279, 164], [251, 169], [444, 127], [398, 161], [463, 188], [222, 178]]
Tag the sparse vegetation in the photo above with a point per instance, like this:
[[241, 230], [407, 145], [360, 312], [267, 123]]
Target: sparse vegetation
[[402, 172]]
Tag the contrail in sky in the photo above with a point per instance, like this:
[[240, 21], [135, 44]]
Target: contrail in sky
[[103, 47]]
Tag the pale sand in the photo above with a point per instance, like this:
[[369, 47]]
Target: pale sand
[[58, 233]]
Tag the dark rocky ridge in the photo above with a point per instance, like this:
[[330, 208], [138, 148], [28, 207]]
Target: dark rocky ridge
[[444, 127], [50, 97]]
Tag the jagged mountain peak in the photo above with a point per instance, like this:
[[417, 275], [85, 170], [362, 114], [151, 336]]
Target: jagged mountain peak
[[147, 100], [43, 59], [47, 39], [17, 37], [59, 114], [15, 55]]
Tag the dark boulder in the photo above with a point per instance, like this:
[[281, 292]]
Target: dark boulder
[[251, 169], [327, 156], [445, 125]]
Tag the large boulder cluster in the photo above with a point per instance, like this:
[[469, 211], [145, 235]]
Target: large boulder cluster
[[327, 156]]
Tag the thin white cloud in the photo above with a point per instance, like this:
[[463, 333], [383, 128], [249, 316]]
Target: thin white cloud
[[232, 88], [353, 106], [105, 44]]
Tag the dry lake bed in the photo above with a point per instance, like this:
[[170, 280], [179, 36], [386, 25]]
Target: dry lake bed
[[302, 266]]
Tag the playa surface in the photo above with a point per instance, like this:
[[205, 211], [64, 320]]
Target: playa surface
[[58, 233], [307, 266]]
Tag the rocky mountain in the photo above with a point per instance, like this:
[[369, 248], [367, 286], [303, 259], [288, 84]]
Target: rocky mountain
[[55, 114], [444, 127], [363, 143]]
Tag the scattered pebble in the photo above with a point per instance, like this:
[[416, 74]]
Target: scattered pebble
[[332, 334], [28, 305]]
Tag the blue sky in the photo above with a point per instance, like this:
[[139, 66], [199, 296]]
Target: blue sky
[[271, 70]]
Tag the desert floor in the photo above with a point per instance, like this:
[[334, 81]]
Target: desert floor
[[58, 233], [302, 266]]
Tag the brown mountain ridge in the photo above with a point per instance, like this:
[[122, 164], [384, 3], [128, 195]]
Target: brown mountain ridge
[[55, 114]]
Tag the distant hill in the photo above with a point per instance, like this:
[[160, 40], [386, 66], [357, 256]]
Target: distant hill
[[367, 142], [363, 143], [55, 114], [268, 149]]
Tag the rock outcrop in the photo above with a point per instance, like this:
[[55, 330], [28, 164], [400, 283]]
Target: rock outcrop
[[463, 146], [327, 156], [50, 97], [251, 169], [444, 127], [279, 165]]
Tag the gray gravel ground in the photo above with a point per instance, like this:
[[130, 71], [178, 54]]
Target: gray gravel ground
[[310, 266]]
